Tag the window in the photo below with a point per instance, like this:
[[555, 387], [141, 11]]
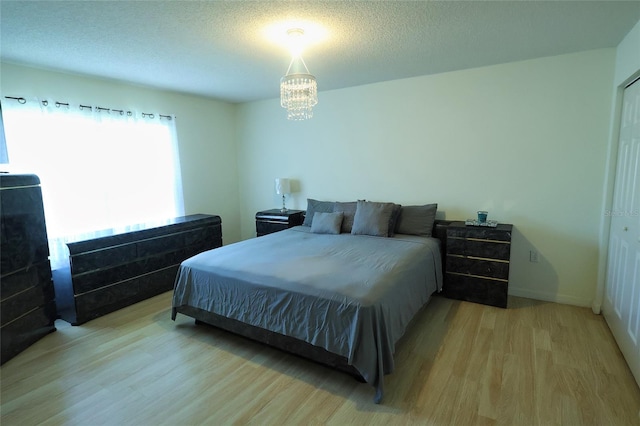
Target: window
[[101, 170]]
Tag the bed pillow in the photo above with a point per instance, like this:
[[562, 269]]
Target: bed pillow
[[372, 219], [326, 223], [349, 211], [316, 206], [393, 221], [417, 220]]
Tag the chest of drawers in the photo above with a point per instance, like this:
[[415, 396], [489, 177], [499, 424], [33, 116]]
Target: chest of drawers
[[117, 270], [477, 263], [28, 307]]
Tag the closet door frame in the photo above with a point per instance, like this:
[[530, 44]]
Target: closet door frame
[[604, 269]]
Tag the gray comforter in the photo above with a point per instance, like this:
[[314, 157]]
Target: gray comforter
[[352, 295]]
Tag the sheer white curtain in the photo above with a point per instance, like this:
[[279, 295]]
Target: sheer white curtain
[[101, 170]]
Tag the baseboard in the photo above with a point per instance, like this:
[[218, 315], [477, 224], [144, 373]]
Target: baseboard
[[548, 297]]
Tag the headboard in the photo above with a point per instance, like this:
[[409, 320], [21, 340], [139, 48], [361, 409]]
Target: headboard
[[440, 232], [440, 229]]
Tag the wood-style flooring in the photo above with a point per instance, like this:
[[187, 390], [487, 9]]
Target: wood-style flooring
[[535, 363]]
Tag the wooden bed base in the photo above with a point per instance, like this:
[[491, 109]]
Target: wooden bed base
[[286, 343], [276, 340]]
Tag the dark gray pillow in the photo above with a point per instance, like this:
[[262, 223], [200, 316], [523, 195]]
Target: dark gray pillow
[[417, 220], [349, 211], [316, 206], [393, 221], [372, 219], [326, 223]]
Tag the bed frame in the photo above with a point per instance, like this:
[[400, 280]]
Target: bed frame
[[287, 343], [276, 340]]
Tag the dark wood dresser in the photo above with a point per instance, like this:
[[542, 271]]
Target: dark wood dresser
[[275, 220], [108, 273], [28, 308], [477, 263]]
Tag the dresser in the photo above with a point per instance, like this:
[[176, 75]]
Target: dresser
[[28, 308], [117, 270], [477, 263], [275, 220]]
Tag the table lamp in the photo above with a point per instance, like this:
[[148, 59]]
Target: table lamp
[[283, 187]]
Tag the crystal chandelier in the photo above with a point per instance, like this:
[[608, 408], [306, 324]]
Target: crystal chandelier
[[298, 88]]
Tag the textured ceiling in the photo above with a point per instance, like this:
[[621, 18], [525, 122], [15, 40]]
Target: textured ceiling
[[219, 49]]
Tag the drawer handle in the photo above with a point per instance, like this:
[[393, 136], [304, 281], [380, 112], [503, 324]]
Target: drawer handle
[[462, 256], [478, 276], [482, 240]]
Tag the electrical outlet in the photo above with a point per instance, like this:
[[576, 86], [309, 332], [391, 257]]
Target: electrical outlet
[[533, 256]]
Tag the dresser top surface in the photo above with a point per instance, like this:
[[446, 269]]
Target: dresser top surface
[[278, 212], [109, 237], [14, 180], [501, 227]]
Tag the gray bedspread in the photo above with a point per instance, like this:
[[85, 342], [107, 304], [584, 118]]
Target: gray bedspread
[[353, 295]]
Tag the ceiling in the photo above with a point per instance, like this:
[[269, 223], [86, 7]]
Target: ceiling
[[219, 49]]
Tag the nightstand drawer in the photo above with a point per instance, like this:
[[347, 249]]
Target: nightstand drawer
[[500, 233], [479, 290], [488, 249], [479, 267], [267, 227]]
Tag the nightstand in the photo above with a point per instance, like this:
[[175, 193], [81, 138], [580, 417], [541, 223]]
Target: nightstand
[[477, 263], [275, 220]]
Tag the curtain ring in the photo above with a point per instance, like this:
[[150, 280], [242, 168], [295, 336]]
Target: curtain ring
[[20, 100], [45, 102]]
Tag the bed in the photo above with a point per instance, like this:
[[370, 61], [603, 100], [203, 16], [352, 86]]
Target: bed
[[340, 299]]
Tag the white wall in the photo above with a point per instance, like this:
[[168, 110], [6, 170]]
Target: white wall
[[526, 141], [205, 127], [627, 68]]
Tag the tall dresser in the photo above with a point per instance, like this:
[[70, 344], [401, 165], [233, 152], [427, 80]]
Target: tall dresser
[[477, 263], [28, 308]]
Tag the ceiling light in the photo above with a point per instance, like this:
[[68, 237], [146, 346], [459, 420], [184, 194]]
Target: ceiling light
[[278, 32], [298, 88]]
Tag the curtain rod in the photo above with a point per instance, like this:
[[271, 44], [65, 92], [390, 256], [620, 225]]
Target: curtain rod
[[45, 102]]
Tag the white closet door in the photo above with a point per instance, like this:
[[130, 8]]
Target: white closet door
[[622, 298]]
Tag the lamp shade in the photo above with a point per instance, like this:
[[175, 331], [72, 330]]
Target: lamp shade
[[283, 186]]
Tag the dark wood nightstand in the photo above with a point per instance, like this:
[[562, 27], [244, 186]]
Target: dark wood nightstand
[[477, 263], [275, 220]]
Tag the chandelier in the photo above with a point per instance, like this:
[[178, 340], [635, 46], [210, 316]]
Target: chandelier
[[298, 88]]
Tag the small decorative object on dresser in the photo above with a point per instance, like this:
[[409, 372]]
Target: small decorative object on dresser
[[275, 220], [477, 263]]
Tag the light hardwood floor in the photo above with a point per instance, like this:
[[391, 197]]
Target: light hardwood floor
[[536, 363]]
